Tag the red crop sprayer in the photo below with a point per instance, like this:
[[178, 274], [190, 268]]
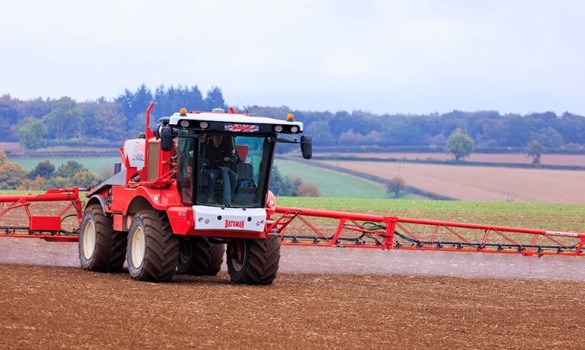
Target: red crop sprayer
[[195, 190]]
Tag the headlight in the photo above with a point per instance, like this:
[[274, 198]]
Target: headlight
[[203, 125], [184, 123], [294, 129], [278, 128]]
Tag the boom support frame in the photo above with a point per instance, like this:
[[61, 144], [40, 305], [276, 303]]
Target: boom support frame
[[48, 227], [324, 228]]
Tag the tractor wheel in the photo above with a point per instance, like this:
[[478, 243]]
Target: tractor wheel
[[253, 261], [153, 250], [100, 247], [198, 256]]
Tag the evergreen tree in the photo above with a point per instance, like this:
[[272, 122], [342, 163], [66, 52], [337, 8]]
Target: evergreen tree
[[44, 169], [69, 169], [214, 99]]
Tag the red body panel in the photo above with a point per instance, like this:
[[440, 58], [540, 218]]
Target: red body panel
[[159, 198], [45, 223]]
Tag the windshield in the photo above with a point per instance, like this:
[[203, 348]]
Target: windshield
[[232, 170]]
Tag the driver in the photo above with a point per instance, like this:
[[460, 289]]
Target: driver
[[221, 157]]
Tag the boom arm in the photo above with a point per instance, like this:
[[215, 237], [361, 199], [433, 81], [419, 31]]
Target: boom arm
[[309, 227], [325, 228]]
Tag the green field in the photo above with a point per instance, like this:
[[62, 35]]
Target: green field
[[562, 217], [93, 164], [332, 183]]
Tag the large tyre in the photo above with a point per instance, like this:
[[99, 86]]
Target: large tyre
[[153, 250], [100, 247], [253, 261], [198, 256]]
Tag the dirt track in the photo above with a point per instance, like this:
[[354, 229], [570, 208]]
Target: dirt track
[[52, 307]]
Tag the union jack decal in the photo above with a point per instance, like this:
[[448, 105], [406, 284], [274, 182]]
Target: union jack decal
[[241, 128]]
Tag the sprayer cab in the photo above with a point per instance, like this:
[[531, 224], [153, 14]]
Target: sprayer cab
[[224, 159], [195, 183]]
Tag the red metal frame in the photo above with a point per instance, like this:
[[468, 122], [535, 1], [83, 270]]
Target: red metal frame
[[46, 227], [353, 230]]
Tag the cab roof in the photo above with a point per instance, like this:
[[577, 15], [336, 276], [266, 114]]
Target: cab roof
[[232, 118]]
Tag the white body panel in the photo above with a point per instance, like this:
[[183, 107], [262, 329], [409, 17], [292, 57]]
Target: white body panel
[[134, 150], [216, 218], [230, 118]]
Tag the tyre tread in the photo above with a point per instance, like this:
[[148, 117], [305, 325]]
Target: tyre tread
[[263, 257], [162, 248], [110, 245]]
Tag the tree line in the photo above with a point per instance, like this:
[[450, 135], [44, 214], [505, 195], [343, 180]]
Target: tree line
[[44, 122], [488, 129], [41, 122], [44, 175]]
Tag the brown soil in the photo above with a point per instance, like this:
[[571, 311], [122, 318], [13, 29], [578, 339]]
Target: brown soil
[[471, 183], [343, 300]]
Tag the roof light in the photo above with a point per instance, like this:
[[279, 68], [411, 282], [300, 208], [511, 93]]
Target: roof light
[[290, 117], [183, 111]]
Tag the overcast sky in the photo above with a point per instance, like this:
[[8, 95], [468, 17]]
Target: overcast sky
[[415, 56]]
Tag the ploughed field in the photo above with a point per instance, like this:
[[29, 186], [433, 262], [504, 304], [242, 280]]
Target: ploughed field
[[322, 297], [474, 183], [547, 159]]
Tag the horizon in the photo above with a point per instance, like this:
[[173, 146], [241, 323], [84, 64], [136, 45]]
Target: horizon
[[382, 57], [243, 107]]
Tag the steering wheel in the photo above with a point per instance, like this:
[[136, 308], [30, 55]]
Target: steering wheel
[[223, 162]]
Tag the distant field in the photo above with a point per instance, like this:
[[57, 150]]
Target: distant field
[[332, 183], [548, 159], [13, 147], [93, 164], [482, 183]]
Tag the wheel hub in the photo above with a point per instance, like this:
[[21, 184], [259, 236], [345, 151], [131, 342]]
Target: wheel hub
[[238, 254], [89, 238], [138, 247]]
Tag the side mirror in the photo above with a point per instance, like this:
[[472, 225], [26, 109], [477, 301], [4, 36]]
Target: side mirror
[[166, 138], [307, 146]]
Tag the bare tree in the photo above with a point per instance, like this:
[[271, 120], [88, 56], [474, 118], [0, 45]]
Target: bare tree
[[396, 185], [535, 150]]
